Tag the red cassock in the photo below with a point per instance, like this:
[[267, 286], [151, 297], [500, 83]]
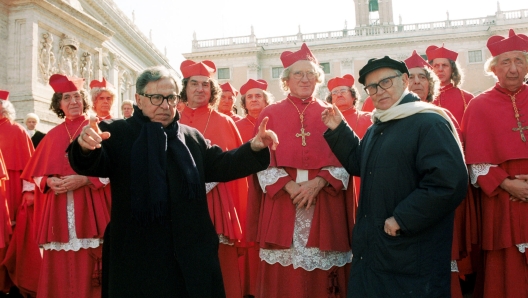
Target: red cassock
[[227, 201], [5, 225], [368, 105], [453, 99], [492, 136], [272, 216], [235, 117], [246, 127], [74, 271]]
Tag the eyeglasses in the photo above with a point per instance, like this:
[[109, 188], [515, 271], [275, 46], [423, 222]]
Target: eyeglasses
[[157, 99], [384, 84], [298, 75], [340, 91]]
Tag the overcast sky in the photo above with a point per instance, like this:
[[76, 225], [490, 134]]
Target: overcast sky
[[173, 22]]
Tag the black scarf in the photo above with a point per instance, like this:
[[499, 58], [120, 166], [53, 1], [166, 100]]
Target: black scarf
[[149, 185]]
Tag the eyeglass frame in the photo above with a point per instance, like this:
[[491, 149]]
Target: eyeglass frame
[[304, 74], [340, 91], [149, 96], [378, 84]]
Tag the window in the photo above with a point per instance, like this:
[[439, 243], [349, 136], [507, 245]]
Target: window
[[276, 72], [223, 74], [475, 56], [325, 67]]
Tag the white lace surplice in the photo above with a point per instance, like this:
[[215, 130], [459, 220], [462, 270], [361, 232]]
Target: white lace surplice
[[298, 255]]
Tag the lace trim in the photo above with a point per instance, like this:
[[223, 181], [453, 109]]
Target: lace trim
[[270, 176], [27, 186], [522, 247], [479, 169], [74, 243], [300, 256], [104, 181], [454, 266], [209, 186], [340, 174], [224, 240]]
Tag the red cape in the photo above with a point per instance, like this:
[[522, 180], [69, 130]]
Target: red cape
[[246, 127], [15, 144], [453, 99]]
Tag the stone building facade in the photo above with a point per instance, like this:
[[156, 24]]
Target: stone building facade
[[84, 38], [348, 50]]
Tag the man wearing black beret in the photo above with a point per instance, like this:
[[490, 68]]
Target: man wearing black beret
[[413, 177]]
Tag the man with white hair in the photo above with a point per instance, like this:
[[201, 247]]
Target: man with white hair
[[495, 131], [103, 95], [32, 120]]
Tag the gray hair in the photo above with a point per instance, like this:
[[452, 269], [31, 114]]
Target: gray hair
[[156, 73], [127, 102], [32, 116], [8, 110], [492, 61]]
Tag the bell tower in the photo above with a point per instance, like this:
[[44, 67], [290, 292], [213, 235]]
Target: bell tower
[[373, 12]]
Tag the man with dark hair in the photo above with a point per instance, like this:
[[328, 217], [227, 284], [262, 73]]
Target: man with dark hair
[[413, 177]]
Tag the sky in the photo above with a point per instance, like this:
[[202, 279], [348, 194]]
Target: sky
[[174, 22]]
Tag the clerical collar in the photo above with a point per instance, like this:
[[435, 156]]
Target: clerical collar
[[31, 132], [446, 87], [306, 100], [508, 92]]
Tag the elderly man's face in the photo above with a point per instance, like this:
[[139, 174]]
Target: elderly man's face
[[418, 82], [443, 70], [302, 79], [127, 110], [163, 113], [384, 99], [255, 101], [103, 103], [510, 70], [227, 100], [342, 98], [198, 91], [31, 123], [72, 104]]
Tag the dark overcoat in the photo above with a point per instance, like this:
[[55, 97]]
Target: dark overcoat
[[179, 256], [412, 169]]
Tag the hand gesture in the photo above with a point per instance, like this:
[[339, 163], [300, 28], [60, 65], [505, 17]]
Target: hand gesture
[[331, 117], [264, 137], [91, 136]]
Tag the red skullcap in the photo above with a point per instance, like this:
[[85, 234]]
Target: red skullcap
[[101, 84], [346, 80], [61, 83], [434, 52], [416, 61], [228, 87], [250, 84], [4, 94], [288, 58], [515, 42], [190, 68]]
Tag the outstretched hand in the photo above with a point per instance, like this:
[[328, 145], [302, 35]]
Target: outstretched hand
[[331, 117], [264, 137], [91, 136]]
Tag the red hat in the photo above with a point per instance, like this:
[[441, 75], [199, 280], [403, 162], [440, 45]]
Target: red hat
[[416, 61], [61, 83], [250, 84], [4, 94], [228, 87], [434, 52], [515, 42], [288, 58], [190, 68], [346, 80], [101, 84]]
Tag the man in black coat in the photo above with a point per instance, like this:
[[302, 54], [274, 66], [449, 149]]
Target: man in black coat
[[31, 121], [413, 177], [160, 241]]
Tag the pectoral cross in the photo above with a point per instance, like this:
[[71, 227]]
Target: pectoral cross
[[520, 129], [303, 135]]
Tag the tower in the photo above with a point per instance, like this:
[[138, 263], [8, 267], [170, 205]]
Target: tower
[[373, 12]]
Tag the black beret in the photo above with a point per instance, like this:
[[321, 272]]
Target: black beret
[[376, 63]]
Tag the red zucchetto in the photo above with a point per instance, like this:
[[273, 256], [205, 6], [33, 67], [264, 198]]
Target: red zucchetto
[[416, 61], [61, 83], [101, 84], [250, 84], [346, 80], [4, 94], [288, 58], [515, 42], [230, 88], [190, 68], [434, 52]]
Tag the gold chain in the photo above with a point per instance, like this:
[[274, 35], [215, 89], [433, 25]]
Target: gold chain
[[68, 131], [209, 118]]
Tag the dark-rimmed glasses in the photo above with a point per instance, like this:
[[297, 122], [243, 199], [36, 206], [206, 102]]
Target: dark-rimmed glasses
[[157, 99], [384, 84]]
